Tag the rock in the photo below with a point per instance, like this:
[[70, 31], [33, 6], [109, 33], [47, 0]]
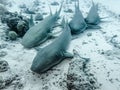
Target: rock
[[2, 83], [12, 35], [44, 13], [22, 27], [4, 18], [29, 11], [38, 17], [74, 0], [78, 78], [4, 2], [22, 6], [12, 23], [19, 24], [36, 3], [68, 10], [3, 46], [112, 54], [54, 3], [3, 53], [89, 34], [18, 83], [7, 79], [4, 66], [84, 42], [115, 41]]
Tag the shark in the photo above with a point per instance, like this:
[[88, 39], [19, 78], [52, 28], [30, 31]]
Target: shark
[[54, 53], [39, 33]]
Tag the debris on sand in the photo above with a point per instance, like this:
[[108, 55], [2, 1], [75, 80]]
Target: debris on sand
[[79, 77], [4, 66]]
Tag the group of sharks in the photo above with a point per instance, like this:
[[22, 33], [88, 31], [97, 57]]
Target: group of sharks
[[55, 52]]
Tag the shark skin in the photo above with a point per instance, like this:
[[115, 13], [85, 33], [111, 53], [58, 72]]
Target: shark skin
[[93, 17], [53, 54], [77, 24], [39, 33]]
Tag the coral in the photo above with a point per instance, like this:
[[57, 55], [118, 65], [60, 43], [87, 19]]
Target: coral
[[17, 23], [3, 53], [22, 27], [3, 2], [4, 66], [2, 9], [12, 23], [12, 35]]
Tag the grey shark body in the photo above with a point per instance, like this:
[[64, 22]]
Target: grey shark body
[[40, 32], [93, 17], [77, 24], [52, 54]]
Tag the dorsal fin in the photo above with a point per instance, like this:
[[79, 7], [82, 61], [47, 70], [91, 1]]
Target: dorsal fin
[[75, 7], [63, 22], [94, 6], [59, 11], [78, 4], [66, 23], [50, 10], [31, 22], [78, 11], [66, 26]]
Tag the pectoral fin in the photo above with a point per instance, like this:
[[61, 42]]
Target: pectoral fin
[[67, 55], [38, 48], [51, 35]]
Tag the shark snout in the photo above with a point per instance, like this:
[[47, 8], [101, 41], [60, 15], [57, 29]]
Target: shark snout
[[35, 68]]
